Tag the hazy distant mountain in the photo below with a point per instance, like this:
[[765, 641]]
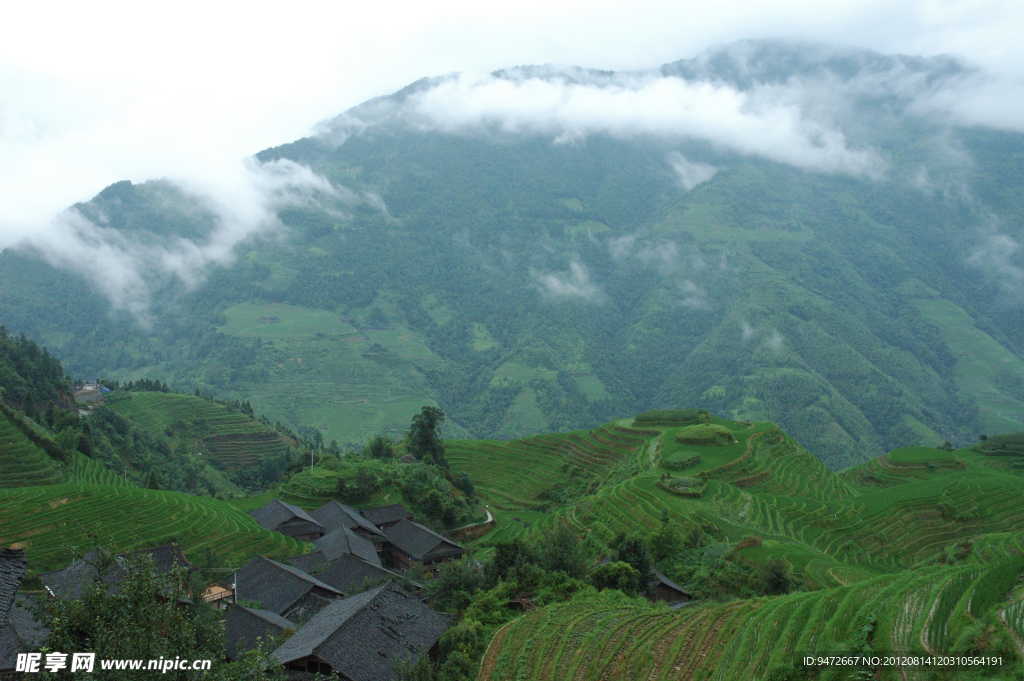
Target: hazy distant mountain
[[825, 238]]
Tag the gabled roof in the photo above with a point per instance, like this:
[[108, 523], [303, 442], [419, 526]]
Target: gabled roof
[[335, 514], [362, 637], [72, 581], [275, 513], [387, 514], [243, 626], [275, 585], [348, 572], [344, 540], [306, 607], [659, 577], [420, 542], [13, 565]]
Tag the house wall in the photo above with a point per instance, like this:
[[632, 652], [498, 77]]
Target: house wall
[[300, 529], [312, 664]]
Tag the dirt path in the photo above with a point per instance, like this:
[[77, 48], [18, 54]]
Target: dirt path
[[490, 518], [652, 448], [488, 662], [928, 623], [1013, 634]]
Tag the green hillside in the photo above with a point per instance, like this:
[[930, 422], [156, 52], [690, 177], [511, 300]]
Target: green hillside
[[920, 550], [22, 462], [235, 439], [526, 286], [545, 468], [50, 521]]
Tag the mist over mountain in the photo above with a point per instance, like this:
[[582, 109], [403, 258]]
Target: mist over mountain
[[826, 238]]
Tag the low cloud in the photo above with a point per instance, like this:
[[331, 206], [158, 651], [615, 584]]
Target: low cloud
[[127, 265], [776, 341], [692, 296], [746, 331], [621, 247], [572, 284], [690, 174], [995, 256], [769, 122]]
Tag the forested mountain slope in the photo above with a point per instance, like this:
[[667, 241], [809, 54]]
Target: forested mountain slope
[[526, 279]]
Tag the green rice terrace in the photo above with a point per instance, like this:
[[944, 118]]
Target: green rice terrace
[[918, 551], [50, 521], [233, 438]]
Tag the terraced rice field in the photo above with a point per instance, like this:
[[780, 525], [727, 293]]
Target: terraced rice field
[[232, 437], [22, 462], [514, 474], [610, 637], [49, 521], [88, 472]]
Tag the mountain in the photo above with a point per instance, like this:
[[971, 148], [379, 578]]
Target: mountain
[[823, 238]]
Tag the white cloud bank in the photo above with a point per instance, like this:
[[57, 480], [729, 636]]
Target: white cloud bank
[[766, 122], [995, 257], [126, 265], [690, 173], [574, 284]]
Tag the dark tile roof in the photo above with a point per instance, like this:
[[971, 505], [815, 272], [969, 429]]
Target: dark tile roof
[[335, 514], [275, 513], [344, 540], [243, 626], [72, 581], [276, 586], [20, 632], [310, 563], [420, 542], [13, 564], [362, 637], [166, 558], [306, 607], [387, 514], [347, 572]]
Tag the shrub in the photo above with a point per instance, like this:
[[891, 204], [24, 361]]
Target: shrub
[[673, 416], [616, 575], [685, 486], [680, 460], [705, 434]]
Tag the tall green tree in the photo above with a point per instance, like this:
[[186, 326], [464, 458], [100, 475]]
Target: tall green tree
[[144, 616], [424, 437]]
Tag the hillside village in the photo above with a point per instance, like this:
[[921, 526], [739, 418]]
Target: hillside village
[[320, 605]]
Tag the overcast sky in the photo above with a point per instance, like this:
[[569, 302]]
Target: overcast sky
[[92, 93]]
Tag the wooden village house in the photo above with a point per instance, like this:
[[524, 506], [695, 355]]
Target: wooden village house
[[360, 638], [334, 514], [384, 517], [412, 544], [282, 589], [289, 520]]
